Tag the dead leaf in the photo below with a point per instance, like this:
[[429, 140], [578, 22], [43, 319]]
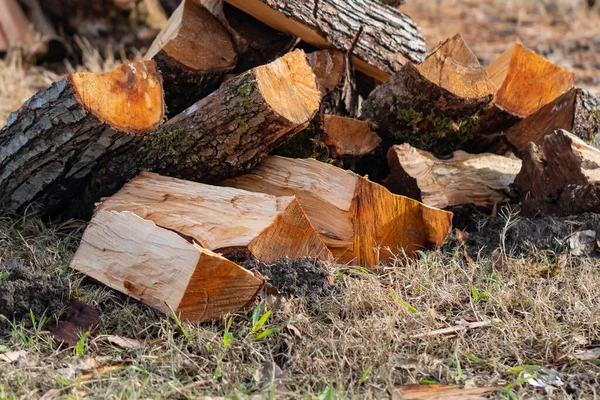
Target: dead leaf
[[582, 243], [294, 330], [123, 342], [13, 356], [78, 318], [103, 369], [50, 394], [441, 392], [588, 354], [498, 260]]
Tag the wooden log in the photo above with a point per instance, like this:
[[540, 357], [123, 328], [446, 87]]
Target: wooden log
[[348, 137], [193, 53], [434, 106], [3, 42], [15, 25], [234, 222], [576, 111], [381, 38], [360, 221], [561, 176], [162, 269], [480, 179], [63, 133]]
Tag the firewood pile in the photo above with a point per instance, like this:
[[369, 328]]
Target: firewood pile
[[180, 148]]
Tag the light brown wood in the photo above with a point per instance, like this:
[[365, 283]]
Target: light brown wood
[[129, 98], [561, 176], [441, 392], [3, 42], [388, 38], [234, 222], [526, 81], [348, 137], [162, 269], [360, 221], [480, 179], [15, 25]]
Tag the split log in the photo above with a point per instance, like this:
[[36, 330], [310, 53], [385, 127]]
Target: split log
[[234, 222], [360, 221], [561, 176], [434, 106], [60, 135], [524, 82], [480, 179], [162, 269], [381, 38], [220, 136], [577, 111], [348, 137], [193, 53]]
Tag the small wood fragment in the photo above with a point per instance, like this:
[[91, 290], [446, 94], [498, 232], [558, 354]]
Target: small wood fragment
[[441, 392], [458, 328], [348, 137]]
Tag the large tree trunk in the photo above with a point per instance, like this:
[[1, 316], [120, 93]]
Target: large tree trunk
[[561, 176], [162, 269], [360, 221], [63, 133], [576, 111], [434, 106], [193, 53], [382, 38], [480, 179], [236, 223]]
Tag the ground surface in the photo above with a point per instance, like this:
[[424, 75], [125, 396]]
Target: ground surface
[[352, 334]]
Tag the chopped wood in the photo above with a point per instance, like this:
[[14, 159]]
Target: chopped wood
[[62, 134], [15, 25], [435, 105], [360, 221], [162, 269], [77, 319], [3, 42], [193, 53], [576, 111], [348, 137], [157, 17], [457, 328], [480, 179], [441, 392], [561, 176], [234, 222], [381, 38]]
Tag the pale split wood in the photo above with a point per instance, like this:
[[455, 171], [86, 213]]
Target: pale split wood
[[161, 268], [458, 328], [441, 392]]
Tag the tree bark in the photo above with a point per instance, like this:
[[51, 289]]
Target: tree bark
[[434, 106], [193, 52], [233, 222], [62, 134], [381, 38], [479, 179], [348, 137], [576, 111], [360, 221], [561, 176], [162, 269]]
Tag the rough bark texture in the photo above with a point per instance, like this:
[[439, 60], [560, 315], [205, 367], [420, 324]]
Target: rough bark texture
[[560, 177], [360, 221], [193, 52], [387, 40], [60, 136], [348, 137], [480, 179], [576, 111], [162, 269], [434, 106], [232, 222]]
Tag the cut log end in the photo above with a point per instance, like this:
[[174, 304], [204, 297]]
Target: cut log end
[[513, 74], [289, 86], [129, 99]]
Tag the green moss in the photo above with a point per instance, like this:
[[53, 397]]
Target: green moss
[[410, 116], [244, 91], [305, 144], [164, 141]]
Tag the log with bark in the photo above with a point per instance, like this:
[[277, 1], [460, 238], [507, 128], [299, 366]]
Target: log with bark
[[234, 222], [193, 52], [360, 221], [348, 137], [381, 38], [60, 135], [577, 111], [434, 106], [561, 176], [220, 136], [162, 269], [480, 179]]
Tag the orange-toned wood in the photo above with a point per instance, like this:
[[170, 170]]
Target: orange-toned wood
[[480, 179], [360, 221], [348, 137], [162, 269], [226, 220], [329, 67]]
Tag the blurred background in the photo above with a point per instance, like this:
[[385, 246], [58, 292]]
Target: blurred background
[[40, 40]]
